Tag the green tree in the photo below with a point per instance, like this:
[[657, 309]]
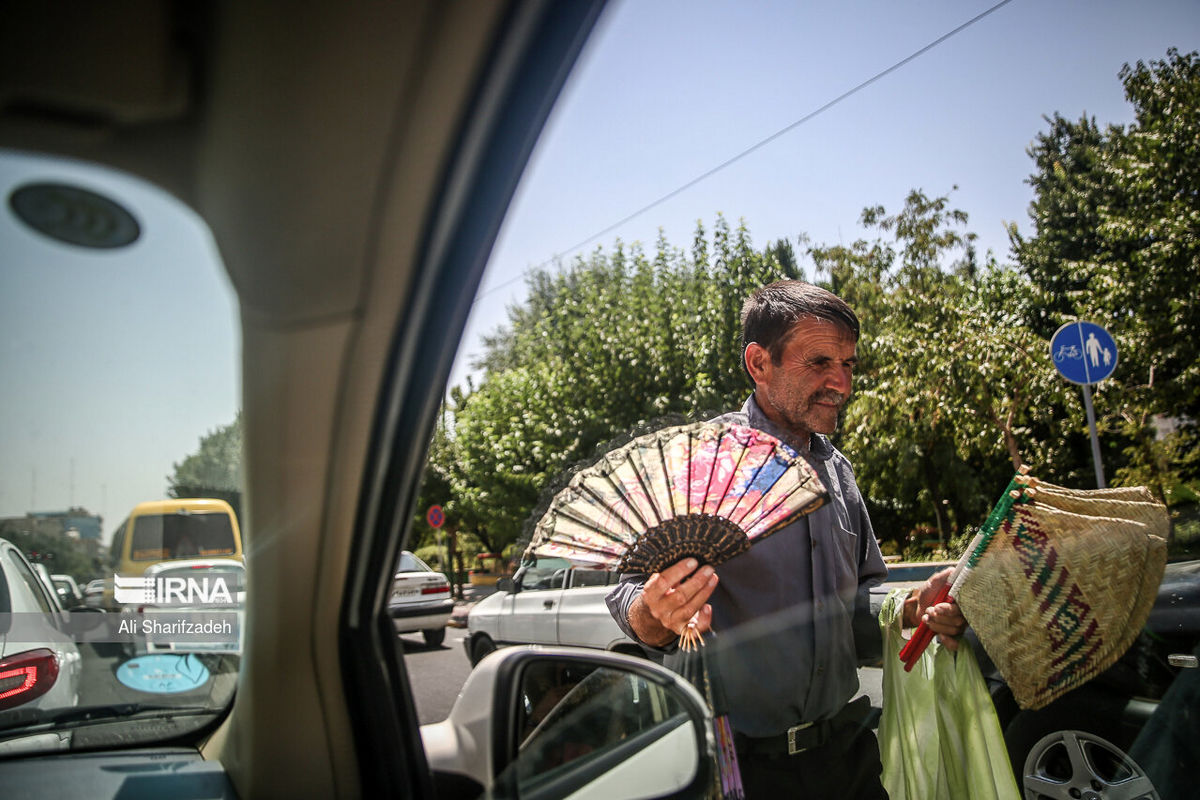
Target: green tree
[[214, 470], [1117, 241], [614, 342]]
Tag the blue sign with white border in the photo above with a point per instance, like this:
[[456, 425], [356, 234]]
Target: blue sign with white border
[[1083, 352]]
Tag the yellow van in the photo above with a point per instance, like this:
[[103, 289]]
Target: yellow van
[[169, 530]]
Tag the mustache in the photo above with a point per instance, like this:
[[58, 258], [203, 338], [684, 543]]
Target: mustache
[[828, 396]]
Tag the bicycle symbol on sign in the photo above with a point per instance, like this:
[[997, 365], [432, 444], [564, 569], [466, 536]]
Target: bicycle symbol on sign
[[1067, 351]]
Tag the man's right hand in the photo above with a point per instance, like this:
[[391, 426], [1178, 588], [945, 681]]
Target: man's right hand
[[670, 600]]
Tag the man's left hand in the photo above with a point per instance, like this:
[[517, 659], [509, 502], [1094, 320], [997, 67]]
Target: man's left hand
[[945, 619]]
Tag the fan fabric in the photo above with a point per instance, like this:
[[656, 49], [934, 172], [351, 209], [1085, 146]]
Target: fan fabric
[[706, 490]]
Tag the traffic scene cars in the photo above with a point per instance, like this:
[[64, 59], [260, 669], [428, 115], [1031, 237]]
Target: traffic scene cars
[[204, 587], [341, 175], [420, 599]]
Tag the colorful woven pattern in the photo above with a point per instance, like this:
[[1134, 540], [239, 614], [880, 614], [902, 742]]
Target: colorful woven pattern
[[1057, 596]]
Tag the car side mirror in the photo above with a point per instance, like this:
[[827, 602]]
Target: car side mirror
[[505, 585], [551, 722]]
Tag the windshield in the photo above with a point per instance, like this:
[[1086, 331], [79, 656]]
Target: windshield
[[127, 349], [159, 536], [410, 563]]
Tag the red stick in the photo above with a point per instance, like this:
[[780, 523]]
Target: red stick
[[922, 636]]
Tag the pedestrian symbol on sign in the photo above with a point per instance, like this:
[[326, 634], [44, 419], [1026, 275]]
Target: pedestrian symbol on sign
[[1083, 352]]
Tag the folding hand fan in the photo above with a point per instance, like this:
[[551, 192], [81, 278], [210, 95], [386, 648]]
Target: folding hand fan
[[1058, 583], [707, 490]]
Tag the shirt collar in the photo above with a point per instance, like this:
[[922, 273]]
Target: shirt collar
[[818, 448]]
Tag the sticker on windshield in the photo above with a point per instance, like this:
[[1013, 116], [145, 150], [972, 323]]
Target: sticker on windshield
[[163, 673]]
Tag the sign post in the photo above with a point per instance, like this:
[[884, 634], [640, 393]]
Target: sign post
[[436, 517], [1085, 353]]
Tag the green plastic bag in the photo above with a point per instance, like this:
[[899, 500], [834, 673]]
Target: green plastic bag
[[939, 736]]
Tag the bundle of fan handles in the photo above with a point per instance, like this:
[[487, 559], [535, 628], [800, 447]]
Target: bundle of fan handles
[[1079, 569]]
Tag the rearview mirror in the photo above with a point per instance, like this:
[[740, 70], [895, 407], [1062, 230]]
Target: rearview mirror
[[504, 585], [552, 722]]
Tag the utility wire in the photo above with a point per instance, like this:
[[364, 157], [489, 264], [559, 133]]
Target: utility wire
[[757, 146]]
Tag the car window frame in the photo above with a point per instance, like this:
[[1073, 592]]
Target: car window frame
[[535, 48]]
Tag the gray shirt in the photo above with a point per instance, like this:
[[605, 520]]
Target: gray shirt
[[791, 616]]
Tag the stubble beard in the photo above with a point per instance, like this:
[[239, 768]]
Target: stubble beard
[[811, 418]]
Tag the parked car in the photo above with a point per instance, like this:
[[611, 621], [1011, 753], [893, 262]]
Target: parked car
[[40, 664], [420, 600], [547, 602]]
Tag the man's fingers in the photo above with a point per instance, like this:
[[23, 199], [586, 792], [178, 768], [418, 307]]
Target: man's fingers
[[678, 592], [945, 619]]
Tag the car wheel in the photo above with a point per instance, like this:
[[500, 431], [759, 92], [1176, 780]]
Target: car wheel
[[481, 646], [434, 636], [1082, 765]]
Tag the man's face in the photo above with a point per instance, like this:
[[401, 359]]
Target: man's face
[[806, 390]]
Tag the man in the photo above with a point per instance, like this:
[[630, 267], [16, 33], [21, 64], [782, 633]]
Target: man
[[791, 616]]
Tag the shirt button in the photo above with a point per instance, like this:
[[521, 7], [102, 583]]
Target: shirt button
[[820, 670]]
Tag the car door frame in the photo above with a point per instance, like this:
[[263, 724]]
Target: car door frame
[[535, 48]]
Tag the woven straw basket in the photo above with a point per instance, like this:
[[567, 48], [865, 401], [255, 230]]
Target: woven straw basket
[[1066, 585]]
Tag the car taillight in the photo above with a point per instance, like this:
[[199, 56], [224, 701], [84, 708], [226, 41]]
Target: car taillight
[[435, 589], [26, 676]]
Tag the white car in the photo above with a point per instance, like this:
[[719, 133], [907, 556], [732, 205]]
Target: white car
[[68, 591], [420, 600], [40, 664], [549, 602], [193, 578]]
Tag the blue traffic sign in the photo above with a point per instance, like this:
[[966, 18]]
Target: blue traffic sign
[[1083, 352]]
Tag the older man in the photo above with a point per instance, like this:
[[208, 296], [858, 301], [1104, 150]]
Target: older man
[[792, 615]]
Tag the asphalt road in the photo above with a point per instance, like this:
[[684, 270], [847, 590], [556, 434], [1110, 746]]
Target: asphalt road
[[436, 674]]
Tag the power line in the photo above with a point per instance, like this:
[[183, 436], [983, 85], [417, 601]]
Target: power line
[[754, 147]]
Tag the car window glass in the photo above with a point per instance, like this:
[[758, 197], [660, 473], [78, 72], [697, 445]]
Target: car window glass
[[129, 349], [5, 598], [158, 536], [35, 584], [410, 563], [542, 574], [591, 577]]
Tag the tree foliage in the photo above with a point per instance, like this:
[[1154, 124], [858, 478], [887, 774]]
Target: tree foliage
[[1117, 242], [214, 470], [613, 342]]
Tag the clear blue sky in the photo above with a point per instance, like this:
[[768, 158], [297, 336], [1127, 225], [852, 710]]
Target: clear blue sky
[[105, 391]]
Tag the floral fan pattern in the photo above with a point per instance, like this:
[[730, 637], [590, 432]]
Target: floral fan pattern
[[707, 490]]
